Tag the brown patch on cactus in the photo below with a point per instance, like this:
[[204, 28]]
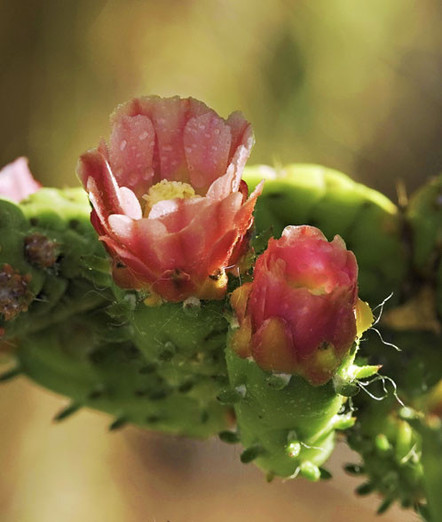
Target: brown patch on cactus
[[40, 250], [15, 296]]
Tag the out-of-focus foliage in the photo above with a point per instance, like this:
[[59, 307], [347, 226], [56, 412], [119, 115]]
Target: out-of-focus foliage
[[350, 86]]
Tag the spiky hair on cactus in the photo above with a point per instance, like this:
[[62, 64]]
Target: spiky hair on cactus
[[291, 350]]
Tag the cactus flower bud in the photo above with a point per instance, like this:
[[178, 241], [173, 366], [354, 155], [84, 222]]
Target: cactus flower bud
[[167, 195], [299, 315]]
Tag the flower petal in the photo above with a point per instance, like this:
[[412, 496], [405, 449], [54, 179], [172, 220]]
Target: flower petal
[[207, 140], [183, 246], [97, 178], [16, 180], [131, 151]]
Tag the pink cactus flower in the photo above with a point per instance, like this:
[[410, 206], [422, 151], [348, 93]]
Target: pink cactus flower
[[16, 181], [299, 315], [167, 195]]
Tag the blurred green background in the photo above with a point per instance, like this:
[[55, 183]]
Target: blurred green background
[[349, 84], [353, 85]]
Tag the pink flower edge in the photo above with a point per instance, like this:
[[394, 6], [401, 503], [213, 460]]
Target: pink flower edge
[[16, 180]]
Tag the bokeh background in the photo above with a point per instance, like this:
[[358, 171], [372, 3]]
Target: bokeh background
[[350, 84]]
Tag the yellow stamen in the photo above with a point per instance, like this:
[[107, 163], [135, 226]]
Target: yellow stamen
[[167, 190]]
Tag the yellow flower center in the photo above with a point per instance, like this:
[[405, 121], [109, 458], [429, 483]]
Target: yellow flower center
[[167, 190]]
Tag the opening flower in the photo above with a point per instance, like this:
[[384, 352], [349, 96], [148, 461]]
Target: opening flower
[[167, 195], [16, 181], [301, 313]]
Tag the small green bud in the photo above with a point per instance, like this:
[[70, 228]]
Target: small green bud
[[310, 471]]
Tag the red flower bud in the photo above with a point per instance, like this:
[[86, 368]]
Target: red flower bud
[[167, 196], [299, 313], [16, 180]]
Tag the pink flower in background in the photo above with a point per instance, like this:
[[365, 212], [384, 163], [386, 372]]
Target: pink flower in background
[[167, 195], [16, 181], [299, 313]]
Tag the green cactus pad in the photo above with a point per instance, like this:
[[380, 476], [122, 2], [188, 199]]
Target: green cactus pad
[[369, 222], [72, 359], [285, 424]]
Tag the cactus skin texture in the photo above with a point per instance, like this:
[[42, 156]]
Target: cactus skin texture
[[388, 438], [369, 223], [287, 425], [48, 240], [71, 359]]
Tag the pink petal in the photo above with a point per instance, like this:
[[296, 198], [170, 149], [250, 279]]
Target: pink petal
[[97, 178], [169, 118], [164, 208], [131, 151], [130, 204], [134, 264], [207, 141], [242, 133], [16, 180]]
